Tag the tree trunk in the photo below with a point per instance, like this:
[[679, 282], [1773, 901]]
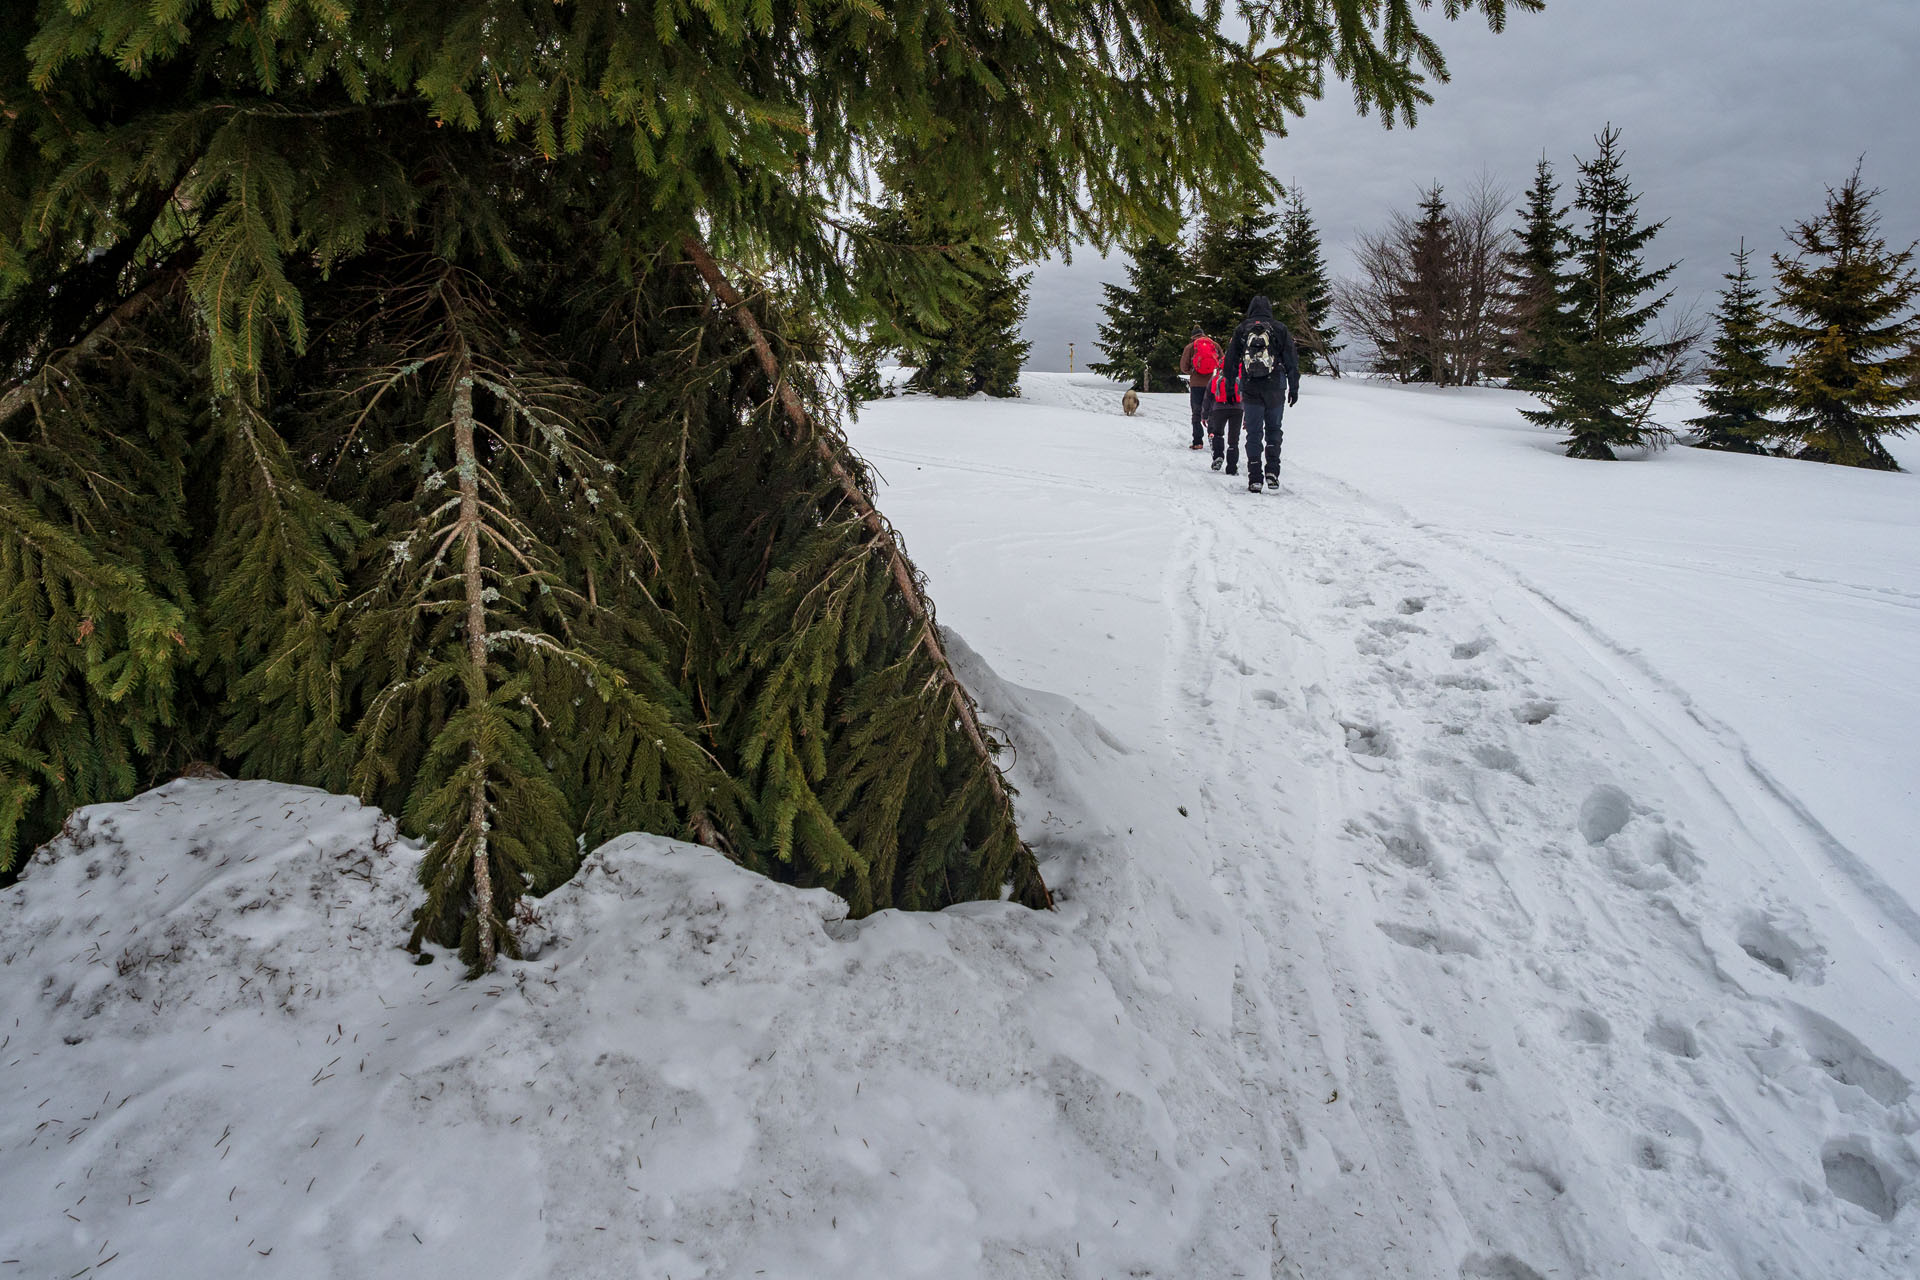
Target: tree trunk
[[467, 467]]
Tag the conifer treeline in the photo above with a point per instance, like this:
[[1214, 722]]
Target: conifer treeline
[[1235, 254], [1565, 304], [417, 399]]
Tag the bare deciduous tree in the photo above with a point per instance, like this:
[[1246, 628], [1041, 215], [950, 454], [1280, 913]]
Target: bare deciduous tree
[[1367, 305], [1430, 300], [1307, 337], [1480, 328]]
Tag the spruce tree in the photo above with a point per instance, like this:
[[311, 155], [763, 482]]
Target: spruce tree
[[1145, 325], [1742, 388], [996, 349], [1534, 278], [978, 349], [1604, 388], [1847, 320], [957, 323], [422, 400], [1236, 257], [1426, 298], [1306, 292]]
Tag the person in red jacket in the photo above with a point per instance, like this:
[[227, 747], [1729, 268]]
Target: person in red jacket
[[1223, 421], [1199, 362]]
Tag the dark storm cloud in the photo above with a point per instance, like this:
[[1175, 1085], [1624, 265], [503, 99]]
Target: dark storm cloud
[[1735, 114]]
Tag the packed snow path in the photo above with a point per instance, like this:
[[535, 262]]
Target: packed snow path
[[1533, 972], [1473, 865]]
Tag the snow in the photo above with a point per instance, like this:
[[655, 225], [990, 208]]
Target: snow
[[1542, 905]]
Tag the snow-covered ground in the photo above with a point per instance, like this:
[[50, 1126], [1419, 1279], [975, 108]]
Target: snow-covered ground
[[1473, 864]]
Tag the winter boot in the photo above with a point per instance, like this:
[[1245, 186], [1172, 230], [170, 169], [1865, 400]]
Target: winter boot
[[1217, 464], [1253, 482]]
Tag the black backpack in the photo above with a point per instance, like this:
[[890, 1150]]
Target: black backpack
[[1258, 362]]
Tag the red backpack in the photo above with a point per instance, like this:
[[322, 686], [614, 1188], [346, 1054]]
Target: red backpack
[[1206, 356]]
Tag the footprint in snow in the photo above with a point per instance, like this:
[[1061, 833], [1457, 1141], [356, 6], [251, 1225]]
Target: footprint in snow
[[1500, 759], [1402, 841], [1436, 939], [1856, 1175], [1783, 945], [1407, 846], [1650, 1155], [1666, 1138], [1391, 627], [1604, 813], [1472, 1072], [1472, 648], [1412, 605], [1673, 851], [1498, 1266], [1670, 1034], [1540, 1175], [1536, 712], [1584, 1026], [1848, 1062], [1366, 740]]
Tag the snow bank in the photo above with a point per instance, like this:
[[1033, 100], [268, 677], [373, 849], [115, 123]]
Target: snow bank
[[218, 1062]]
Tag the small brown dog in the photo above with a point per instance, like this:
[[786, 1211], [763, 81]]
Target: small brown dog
[[1130, 402]]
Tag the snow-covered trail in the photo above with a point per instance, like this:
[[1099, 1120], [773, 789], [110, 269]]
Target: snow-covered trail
[[1531, 972]]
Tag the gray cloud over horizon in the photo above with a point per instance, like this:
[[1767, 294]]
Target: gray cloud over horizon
[[1736, 115]]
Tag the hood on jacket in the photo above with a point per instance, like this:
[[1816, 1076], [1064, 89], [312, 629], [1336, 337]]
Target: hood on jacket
[[1259, 308]]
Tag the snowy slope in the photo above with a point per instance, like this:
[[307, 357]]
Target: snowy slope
[[1532, 848], [1537, 910]]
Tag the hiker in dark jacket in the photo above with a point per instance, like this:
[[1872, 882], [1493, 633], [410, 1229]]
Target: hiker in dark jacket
[[1198, 363], [1263, 360]]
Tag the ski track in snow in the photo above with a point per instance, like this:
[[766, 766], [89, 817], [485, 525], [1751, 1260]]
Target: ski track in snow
[[1595, 1025]]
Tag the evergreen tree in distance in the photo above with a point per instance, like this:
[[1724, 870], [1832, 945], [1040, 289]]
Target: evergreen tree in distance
[[1426, 297], [1306, 295], [421, 401], [1603, 390], [1533, 278], [1145, 325], [1236, 257], [1742, 387], [972, 343], [995, 349], [1845, 315]]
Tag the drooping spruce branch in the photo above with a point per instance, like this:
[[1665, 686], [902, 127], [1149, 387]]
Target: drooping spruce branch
[[827, 445], [60, 365]]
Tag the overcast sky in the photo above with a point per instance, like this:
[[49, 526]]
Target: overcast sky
[[1735, 116]]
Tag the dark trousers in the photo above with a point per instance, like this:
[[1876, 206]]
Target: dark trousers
[[1223, 423], [1263, 430], [1199, 398]]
